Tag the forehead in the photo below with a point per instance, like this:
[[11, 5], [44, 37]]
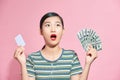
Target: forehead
[[52, 19]]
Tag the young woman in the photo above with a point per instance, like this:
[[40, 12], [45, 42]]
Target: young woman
[[53, 62]]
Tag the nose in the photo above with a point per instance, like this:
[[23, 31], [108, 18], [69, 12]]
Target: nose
[[53, 29]]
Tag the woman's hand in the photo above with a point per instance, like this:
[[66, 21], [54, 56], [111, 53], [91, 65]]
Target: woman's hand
[[19, 55], [91, 55]]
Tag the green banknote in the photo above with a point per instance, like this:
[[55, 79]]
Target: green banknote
[[89, 36]]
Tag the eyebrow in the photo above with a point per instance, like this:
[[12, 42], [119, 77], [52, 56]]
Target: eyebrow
[[46, 22], [49, 22], [58, 22]]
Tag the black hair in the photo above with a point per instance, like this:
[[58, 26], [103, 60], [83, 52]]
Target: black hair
[[50, 14]]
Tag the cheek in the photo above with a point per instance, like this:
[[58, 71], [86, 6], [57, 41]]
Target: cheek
[[45, 34], [60, 33], [45, 31], [59, 29]]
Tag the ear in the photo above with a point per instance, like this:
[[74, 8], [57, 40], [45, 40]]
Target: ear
[[41, 32], [63, 31]]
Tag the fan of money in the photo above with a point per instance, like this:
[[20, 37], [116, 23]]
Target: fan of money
[[89, 37]]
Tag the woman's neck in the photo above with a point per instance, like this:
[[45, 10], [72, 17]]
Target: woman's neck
[[51, 50], [51, 53]]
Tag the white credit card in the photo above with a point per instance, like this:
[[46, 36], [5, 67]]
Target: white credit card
[[19, 40]]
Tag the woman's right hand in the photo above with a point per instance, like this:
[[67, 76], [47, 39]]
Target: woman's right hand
[[19, 55]]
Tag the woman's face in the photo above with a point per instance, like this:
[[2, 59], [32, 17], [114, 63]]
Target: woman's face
[[52, 31]]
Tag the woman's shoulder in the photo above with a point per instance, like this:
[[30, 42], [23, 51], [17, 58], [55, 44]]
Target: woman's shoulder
[[37, 53], [69, 51]]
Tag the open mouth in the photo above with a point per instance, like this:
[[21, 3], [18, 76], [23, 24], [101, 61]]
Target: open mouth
[[53, 37]]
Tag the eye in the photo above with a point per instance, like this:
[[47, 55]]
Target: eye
[[58, 24], [47, 25]]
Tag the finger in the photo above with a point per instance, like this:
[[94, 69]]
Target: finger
[[18, 51], [94, 54], [90, 46], [89, 54], [22, 48]]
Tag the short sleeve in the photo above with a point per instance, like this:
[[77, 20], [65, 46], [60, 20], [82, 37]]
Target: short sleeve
[[76, 66], [30, 67]]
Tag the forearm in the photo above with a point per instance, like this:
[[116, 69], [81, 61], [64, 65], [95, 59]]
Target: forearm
[[90, 57], [85, 72], [24, 72]]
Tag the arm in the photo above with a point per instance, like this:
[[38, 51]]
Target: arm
[[90, 57], [20, 56], [24, 73]]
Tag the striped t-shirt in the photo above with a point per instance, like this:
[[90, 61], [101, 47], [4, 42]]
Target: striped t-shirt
[[61, 69]]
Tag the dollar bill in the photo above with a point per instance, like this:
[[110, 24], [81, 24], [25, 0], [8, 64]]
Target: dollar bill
[[89, 36]]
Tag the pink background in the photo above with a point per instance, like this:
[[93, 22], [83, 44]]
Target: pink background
[[22, 16]]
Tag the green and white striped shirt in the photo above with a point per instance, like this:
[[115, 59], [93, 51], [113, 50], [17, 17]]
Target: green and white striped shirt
[[61, 69]]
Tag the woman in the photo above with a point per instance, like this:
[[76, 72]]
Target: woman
[[53, 62]]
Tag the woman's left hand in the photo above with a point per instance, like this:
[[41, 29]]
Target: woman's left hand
[[91, 55]]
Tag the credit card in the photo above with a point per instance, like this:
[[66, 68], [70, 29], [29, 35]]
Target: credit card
[[19, 40]]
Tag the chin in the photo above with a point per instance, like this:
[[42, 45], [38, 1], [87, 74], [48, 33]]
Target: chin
[[54, 45]]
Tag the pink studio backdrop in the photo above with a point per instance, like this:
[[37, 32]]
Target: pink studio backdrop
[[22, 16]]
